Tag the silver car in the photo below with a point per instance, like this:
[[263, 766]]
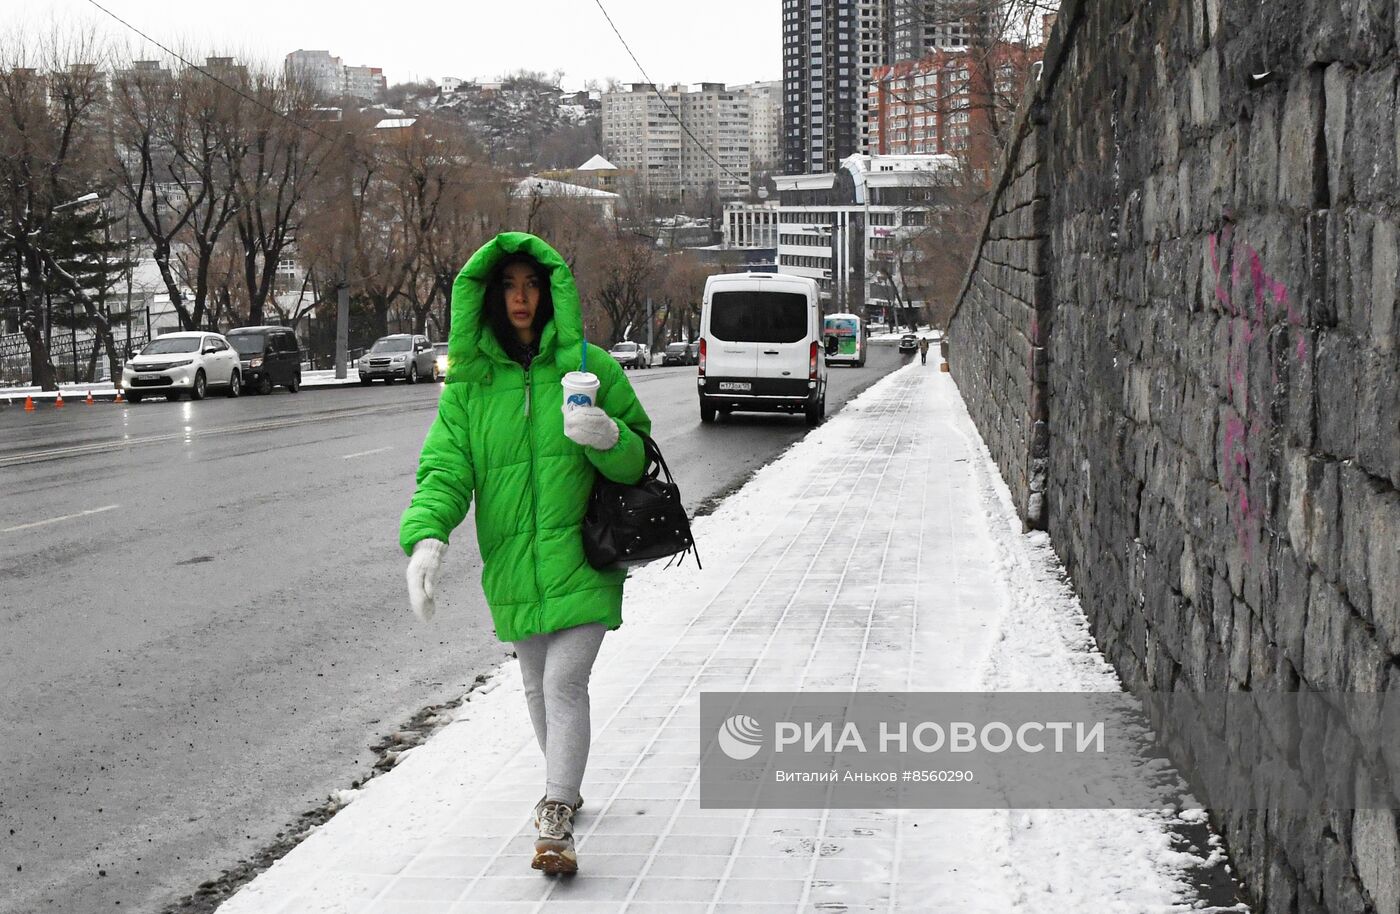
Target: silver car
[[400, 355], [631, 355]]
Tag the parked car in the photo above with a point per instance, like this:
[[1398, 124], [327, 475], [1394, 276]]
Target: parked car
[[269, 357], [679, 354], [174, 365], [440, 360], [399, 355], [908, 344], [631, 355]]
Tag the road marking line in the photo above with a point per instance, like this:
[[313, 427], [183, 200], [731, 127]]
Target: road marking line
[[54, 520], [103, 447], [378, 450]]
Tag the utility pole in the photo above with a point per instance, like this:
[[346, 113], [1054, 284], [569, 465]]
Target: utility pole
[[130, 268], [342, 307]]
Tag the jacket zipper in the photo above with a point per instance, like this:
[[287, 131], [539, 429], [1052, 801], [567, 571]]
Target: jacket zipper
[[535, 507]]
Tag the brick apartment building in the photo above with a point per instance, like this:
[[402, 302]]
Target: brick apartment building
[[951, 102]]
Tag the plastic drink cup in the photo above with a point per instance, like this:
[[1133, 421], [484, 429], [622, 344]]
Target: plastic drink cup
[[580, 389]]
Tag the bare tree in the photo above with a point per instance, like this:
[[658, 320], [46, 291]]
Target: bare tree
[[173, 169], [476, 209], [275, 159], [618, 272], [49, 117], [677, 293]]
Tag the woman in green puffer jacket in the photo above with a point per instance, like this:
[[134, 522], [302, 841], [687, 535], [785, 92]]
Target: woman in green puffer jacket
[[500, 436]]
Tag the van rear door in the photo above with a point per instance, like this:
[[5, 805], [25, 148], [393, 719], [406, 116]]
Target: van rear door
[[731, 357], [783, 329]]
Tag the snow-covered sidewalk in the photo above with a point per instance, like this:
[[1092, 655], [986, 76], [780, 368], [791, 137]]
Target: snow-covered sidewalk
[[881, 553]]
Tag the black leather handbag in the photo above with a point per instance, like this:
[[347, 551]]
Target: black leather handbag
[[631, 525]]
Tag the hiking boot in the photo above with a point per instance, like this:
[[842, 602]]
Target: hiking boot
[[554, 848], [540, 805]]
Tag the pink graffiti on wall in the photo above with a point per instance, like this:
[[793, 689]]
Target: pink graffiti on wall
[[1246, 325]]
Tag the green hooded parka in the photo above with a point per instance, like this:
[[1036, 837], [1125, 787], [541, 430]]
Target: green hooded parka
[[499, 436]]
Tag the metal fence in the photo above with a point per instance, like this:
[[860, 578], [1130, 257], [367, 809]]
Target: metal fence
[[69, 353]]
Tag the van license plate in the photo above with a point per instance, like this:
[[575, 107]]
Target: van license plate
[[744, 386]]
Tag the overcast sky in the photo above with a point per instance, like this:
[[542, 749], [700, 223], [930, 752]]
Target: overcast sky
[[731, 41]]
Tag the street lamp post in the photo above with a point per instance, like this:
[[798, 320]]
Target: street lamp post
[[89, 197]]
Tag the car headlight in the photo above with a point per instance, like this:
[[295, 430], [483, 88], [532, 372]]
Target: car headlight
[[255, 362], [398, 359], [181, 364]]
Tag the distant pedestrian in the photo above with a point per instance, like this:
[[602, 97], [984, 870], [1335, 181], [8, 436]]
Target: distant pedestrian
[[501, 436], [923, 350]]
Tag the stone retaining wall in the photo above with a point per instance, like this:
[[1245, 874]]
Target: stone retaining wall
[[1178, 339]]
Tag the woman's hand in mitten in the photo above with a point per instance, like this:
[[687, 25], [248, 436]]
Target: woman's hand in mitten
[[590, 427], [423, 568]]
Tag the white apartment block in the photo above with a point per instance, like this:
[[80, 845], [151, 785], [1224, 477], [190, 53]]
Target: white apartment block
[[765, 125], [643, 134], [642, 137], [332, 78], [716, 151], [366, 83]]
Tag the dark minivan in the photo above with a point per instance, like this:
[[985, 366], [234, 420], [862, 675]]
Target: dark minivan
[[270, 357]]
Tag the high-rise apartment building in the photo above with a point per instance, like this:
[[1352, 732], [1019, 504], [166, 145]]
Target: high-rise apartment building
[[643, 134], [715, 152], [830, 49], [765, 125], [642, 137], [920, 27]]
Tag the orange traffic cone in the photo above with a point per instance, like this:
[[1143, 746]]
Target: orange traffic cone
[[58, 404], [118, 398], [89, 401], [29, 404]]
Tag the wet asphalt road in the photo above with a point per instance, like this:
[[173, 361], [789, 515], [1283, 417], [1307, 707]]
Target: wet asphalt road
[[203, 626]]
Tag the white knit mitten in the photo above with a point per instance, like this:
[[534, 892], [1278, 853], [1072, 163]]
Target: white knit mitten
[[423, 567], [591, 427]]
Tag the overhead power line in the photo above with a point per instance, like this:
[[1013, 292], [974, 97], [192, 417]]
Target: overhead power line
[[703, 148], [196, 67], [367, 156]]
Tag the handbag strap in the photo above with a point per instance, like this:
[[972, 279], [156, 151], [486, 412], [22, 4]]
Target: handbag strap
[[653, 455]]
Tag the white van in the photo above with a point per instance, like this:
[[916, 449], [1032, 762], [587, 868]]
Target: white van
[[761, 346]]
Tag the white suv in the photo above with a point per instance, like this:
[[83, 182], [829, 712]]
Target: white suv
[[631, 355], [175, 364]]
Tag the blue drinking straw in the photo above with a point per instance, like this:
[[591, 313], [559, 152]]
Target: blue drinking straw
[[585, 356]]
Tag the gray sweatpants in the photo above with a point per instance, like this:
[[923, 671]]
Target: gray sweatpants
[[555, 668]]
